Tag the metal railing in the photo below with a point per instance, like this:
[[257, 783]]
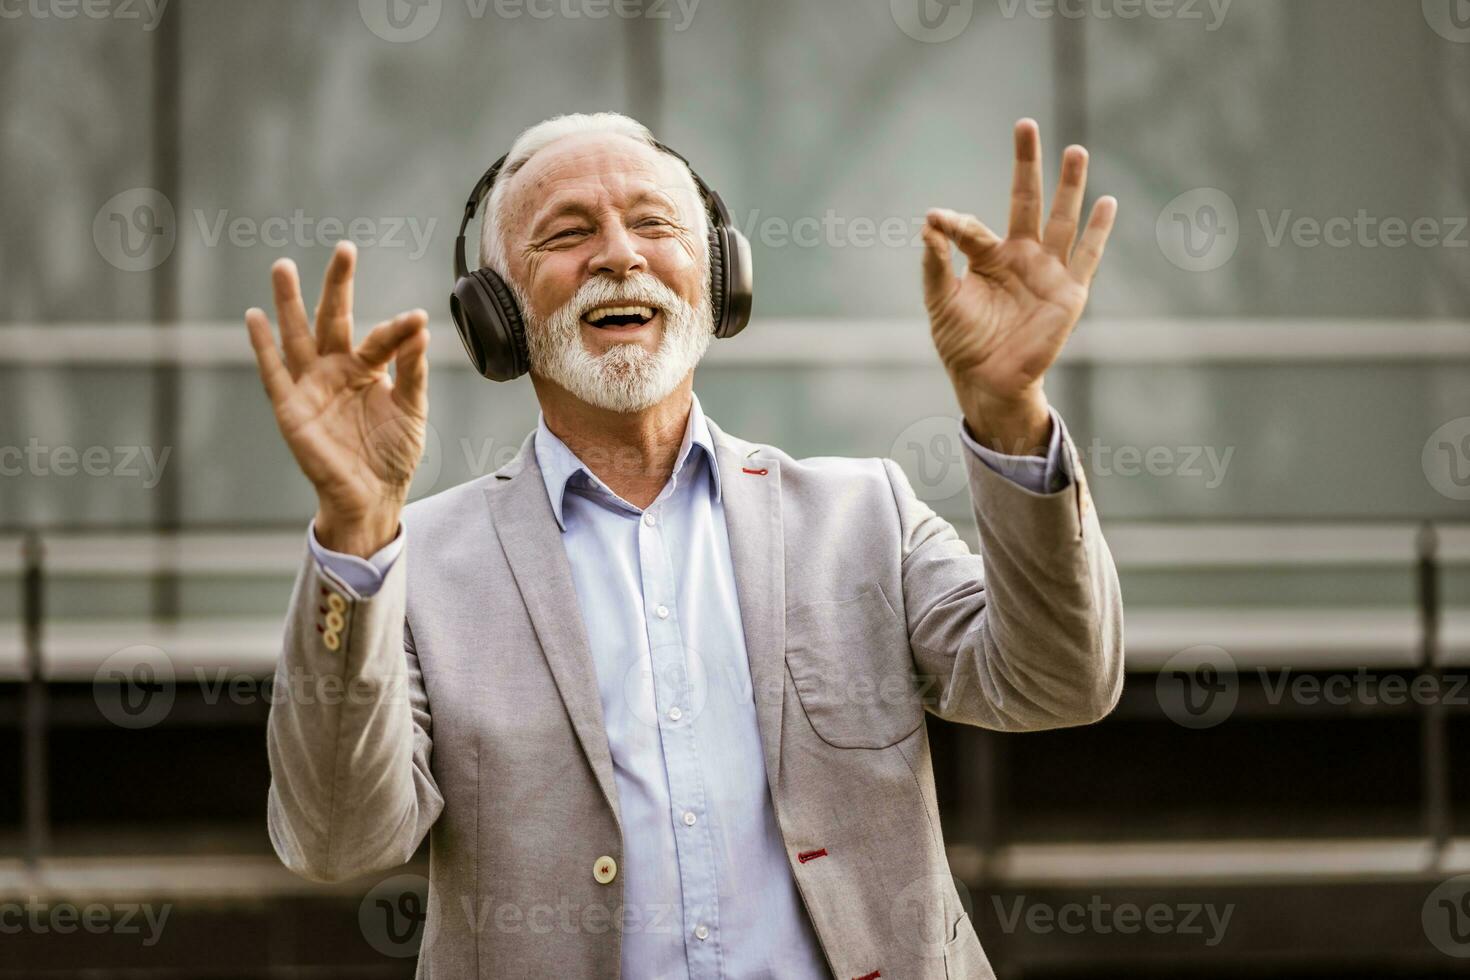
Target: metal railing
[[118, 551]]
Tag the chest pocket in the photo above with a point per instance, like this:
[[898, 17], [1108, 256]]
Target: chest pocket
[[851, 664]]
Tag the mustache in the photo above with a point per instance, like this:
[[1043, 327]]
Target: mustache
[[641, 289]]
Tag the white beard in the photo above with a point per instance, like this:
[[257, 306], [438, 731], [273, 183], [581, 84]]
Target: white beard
[[626, 377]]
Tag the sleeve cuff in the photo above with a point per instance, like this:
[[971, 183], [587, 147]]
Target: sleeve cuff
[[1043, 475], [364, 576]]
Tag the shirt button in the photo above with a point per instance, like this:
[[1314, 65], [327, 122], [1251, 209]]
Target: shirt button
[[662, 612], [649, 519], [675, 714], [604, 869], [689, 818], [701, 932]]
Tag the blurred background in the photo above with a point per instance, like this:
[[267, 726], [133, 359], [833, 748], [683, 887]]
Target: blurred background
[[1271, 394]]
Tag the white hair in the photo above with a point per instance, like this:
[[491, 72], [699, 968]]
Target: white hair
[[547, 132]]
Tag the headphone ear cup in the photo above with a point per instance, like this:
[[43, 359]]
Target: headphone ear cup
[[490, 326], [732, 280], [717, 301]]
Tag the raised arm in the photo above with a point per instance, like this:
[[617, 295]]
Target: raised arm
[[1027, 634], [349, 733]]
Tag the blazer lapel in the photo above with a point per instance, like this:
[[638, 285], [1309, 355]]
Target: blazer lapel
[[750, 488], [532, 541]]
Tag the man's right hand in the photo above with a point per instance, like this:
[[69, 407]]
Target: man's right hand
[[357, 434]]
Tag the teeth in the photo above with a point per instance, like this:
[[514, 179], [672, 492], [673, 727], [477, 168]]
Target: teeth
[[605, 311]]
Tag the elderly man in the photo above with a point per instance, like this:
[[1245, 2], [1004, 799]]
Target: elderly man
[[657, 693]]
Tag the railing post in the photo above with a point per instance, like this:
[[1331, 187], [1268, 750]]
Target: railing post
[[1433, 720], [33, 734]]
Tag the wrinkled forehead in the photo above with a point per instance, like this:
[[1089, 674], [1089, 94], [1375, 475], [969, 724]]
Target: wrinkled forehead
[[598, 170]]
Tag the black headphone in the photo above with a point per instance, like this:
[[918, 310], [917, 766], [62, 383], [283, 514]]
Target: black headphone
[[490, 323]]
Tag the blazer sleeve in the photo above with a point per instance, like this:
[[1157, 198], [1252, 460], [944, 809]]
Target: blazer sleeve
[[1028, 634], [348, 734]]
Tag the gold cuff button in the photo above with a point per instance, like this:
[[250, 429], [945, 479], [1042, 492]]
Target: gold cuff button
[[605, 870], [335, 622], [332, 639], [336, 603]]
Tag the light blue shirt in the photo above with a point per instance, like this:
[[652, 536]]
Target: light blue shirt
[[706, 879]]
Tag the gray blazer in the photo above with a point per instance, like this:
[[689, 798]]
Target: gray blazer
[[467, 708]]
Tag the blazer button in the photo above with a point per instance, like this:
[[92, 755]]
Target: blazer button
[[336, 603], [605, 870], [332, 640]]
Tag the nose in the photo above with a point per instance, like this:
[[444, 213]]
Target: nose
[[618, 255]]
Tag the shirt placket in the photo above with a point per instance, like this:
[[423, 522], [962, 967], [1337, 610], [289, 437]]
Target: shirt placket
[[677, 699]]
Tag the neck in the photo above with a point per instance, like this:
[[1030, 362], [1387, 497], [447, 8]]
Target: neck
[[632, 452]]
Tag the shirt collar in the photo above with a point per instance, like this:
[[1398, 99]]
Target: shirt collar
[[559, 465]]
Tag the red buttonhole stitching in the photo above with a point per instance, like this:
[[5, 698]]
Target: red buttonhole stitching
[[869, 976], [806, 856], [319, 628], [747, 469]]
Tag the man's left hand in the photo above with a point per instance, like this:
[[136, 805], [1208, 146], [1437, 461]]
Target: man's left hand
[[1000, 325]]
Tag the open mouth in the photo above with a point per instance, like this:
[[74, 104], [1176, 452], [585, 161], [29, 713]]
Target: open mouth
[[614, 317]]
